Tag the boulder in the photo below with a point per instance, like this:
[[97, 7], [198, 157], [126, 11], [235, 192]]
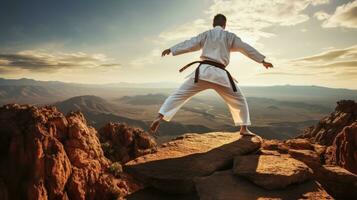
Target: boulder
[[339, 182], [284, 146], [122, 143], [271, 144], [176, 163], [299, 143], [270, 171], [309, 157], [224, 185]]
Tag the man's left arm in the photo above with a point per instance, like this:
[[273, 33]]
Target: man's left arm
[[249, 51]]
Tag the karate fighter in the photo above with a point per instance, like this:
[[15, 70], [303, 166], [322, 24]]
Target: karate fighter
[[216, 45]]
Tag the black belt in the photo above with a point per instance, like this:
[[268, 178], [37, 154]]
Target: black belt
[[215, 64]]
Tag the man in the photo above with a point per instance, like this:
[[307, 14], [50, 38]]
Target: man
[[216, 45]]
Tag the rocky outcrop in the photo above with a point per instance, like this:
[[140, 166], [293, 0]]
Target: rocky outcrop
[[45, 155], [299, 149], [271, 171], [202, 164], [177, 163], [330, 126], [338, 133], [337, 181], [122, 143], [290, 169]]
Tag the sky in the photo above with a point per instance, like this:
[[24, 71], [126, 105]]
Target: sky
[[310, 42]]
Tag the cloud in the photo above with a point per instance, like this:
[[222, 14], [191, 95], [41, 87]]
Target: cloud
[[321, 15], [330, 55], [352, 64], [319, 2], [339, 64], [248, 17], [333, 61], [286, 74], [344, 16], [347, 74], [42, 61], [4, 70]]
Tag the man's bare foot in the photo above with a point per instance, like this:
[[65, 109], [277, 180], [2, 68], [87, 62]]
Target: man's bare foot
[[155, 125], [247, 133]]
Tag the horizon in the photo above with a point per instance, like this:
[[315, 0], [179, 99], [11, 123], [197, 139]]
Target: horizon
[[310, 43], [167, 82]]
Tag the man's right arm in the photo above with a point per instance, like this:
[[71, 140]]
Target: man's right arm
[[193, 44], [246, 49]]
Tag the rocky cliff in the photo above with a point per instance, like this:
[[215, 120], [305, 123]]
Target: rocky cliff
[[46, 155], [338, 132]]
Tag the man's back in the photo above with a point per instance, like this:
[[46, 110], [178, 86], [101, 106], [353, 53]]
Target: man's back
[[216, 45]]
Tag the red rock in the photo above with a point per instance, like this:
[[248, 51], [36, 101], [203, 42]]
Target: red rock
[[299, 144], [174, 166], [309, 157], [271, 144], [275, 145], [123, 143], [45, 155], [327, 129], [285, 146], [319, 149], [339, 182], [224, 185], [270, 171], [344, 149]]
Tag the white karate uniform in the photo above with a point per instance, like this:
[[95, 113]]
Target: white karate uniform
[[216, 45]]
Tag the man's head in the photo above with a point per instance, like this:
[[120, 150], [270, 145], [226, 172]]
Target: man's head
[[219, 20]]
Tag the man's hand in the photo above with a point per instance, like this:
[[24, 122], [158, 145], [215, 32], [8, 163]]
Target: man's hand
[[267, 64], [165, 52]]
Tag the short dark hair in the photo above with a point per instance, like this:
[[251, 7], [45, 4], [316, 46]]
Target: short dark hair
[[219, 20]]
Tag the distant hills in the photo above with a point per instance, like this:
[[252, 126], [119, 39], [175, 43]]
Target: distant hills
[[148, 99], [87, 103], [308, 94], [12, 90], [276, 111], [26, 81], [99, 111]]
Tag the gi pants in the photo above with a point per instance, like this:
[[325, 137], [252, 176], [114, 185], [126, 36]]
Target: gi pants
[[236, 101]]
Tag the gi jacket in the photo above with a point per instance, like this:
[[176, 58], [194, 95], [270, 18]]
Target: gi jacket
[[216, 45]]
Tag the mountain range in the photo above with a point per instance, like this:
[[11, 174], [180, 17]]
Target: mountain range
[[277, 111], [61, 90]]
